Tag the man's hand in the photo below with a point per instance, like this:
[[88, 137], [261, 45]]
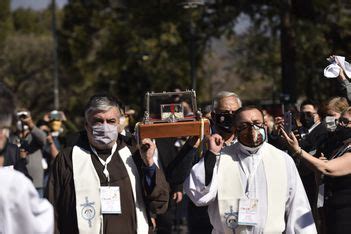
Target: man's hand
[[177, 196], [28, 121], [291, 140], [147, 150], [278, 124], [153, 221], [215, 143]]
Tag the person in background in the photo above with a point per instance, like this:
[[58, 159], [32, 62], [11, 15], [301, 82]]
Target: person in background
[[10, 155], [31, 140], [224, 107], [166, 152], [330, 112], [311, 135], [56, 121], [336, 169]]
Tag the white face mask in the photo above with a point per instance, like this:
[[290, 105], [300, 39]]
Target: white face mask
[[330, 123], [105, 133]]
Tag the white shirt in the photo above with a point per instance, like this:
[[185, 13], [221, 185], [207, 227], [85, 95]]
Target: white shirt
[[21, 208], [298, 214]]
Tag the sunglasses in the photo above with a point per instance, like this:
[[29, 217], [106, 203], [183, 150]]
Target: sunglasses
[[223, 116]]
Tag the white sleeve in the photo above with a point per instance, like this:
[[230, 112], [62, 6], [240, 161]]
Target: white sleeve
[[24, 209], [298, 214], [195, 186]]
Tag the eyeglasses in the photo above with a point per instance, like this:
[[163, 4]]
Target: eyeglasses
[[223, 116], [244, 126], [344, 121]]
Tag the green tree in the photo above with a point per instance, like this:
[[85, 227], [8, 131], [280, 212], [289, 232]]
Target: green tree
[[5, 20]]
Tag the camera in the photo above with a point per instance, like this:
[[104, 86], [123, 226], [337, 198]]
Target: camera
[[22, 114]]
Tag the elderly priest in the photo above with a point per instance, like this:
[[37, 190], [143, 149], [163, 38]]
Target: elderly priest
[[99, 185]]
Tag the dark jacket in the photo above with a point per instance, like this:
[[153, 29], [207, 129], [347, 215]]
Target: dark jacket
[[61, 191], [12, 158]]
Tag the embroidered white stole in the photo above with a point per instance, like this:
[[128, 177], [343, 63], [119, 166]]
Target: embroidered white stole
[[140, 211], [87, 189], [230, 189]]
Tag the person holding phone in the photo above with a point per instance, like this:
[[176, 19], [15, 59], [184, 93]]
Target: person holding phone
[[337, 170]]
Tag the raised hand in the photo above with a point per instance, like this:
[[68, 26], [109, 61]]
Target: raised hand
[[147, 150], [215, 143], [291, 140]]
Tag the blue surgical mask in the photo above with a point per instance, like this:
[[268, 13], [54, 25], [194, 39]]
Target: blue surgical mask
[[105, 133]]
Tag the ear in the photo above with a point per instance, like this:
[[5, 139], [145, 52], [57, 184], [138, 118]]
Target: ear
[[86, 125], [235, 130]]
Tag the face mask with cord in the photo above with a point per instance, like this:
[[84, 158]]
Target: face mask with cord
[[105, 133], [258, 138]]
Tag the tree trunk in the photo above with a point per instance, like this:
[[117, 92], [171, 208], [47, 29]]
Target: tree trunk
[[288, 53]]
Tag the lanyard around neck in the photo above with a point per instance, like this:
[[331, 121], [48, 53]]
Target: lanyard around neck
[[108, 160], [250, 175]]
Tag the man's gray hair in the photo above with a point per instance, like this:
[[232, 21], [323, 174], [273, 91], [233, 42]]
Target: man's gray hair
[[222, 95], [101, 103]]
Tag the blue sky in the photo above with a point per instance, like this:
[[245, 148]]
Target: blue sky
[[35, 4]]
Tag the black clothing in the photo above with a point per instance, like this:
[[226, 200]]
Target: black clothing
[[338, 202], [310, 143], [166, 154], [315, 138], [12, 158], [177, 172], [61, 191], [179, 168]]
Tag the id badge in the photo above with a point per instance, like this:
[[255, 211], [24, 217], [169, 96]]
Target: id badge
[[110, 200], [248, 212]]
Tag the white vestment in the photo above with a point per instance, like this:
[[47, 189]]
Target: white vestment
[[87, 188], [298, 216], [21, 208]]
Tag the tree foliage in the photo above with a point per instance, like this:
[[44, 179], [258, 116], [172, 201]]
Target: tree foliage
[[126, 48]]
